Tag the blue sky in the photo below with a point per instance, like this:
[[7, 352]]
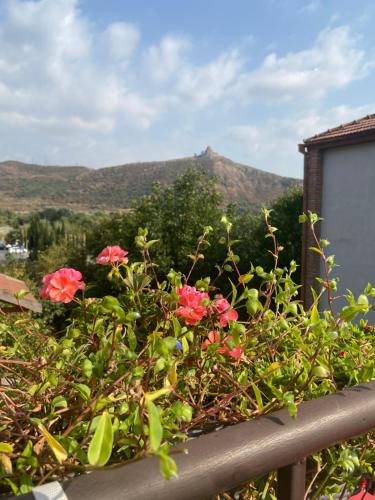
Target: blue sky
[[99, 83]]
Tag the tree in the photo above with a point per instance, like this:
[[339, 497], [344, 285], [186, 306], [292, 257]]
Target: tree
[[177, 216]]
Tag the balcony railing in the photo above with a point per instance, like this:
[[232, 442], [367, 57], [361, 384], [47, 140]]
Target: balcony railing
[[226, 459]]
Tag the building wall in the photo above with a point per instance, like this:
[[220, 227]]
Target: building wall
[[348, 209]]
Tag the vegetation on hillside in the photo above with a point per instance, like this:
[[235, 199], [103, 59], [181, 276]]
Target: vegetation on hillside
[[25, 187]]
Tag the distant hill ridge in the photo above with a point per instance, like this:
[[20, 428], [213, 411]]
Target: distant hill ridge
[[27, 186]]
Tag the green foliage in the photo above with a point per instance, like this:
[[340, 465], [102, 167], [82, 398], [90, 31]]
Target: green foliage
[[132, 375], [177, 217]]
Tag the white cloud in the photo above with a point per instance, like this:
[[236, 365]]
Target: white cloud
[[333, 62], [164, 60], [76, 93], [311, 7], [120, 41], [51, 71], [273, 144], [207, 83]]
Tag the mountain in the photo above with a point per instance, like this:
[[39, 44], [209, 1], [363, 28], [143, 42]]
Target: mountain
[[24, 187]]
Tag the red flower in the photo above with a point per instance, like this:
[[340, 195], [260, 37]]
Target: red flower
[[112, 255], [367, 328], [61, 285], [190, 300], [236, 353], [215, 338], [341, 354], [224, 310], [191, 315]]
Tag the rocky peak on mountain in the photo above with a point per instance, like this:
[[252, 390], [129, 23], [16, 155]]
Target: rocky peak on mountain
[[26, 187], [209, 153]]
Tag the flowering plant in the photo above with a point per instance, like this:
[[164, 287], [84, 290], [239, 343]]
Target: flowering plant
[[136, 373]]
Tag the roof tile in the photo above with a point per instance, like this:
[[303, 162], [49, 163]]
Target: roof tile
[[364, 124]]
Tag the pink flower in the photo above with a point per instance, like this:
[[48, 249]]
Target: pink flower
[[61, 285], [224, 310], [230, 315], [189, 296], [190, 300], [43, 292], [112, 255], [221, 304]]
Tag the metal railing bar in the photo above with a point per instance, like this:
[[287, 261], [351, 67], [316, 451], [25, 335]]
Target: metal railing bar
[[226, 459], [291, 481]]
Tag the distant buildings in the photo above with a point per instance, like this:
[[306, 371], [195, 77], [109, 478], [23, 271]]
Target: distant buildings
[[16, 251]]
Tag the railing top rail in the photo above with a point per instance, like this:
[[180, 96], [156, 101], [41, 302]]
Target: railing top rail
[[225, 459]]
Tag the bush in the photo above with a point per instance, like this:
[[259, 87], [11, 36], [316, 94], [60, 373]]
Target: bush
[[135, 373]]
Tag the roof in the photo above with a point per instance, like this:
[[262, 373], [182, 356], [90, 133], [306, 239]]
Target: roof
[[354, 128], [11, 286]]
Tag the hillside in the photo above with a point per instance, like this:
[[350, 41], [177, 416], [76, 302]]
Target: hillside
[[25, 187]]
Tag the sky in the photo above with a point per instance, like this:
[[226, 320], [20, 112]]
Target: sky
[[99, 83]]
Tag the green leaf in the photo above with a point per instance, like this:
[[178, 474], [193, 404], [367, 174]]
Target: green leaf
[[314, 316], [132, 339], [362, 300], [155, 427], [251, 306], [100, 448], [245, 278], [132, 316], [58, 450], [59, 402], [151, 396], [237, 330], [168, 466], [317, 250], [87, 368], [84, 391], [292, 409], [234, 292], [258, 396], [6, 448], [150, 243], [172, 374], [320, 371], [176, 327], [111, 304], [349, 312], [185, 345]]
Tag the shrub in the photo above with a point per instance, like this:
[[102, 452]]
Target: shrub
[[134, 374]]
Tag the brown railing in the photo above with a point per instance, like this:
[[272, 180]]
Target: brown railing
[[226, 459]]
